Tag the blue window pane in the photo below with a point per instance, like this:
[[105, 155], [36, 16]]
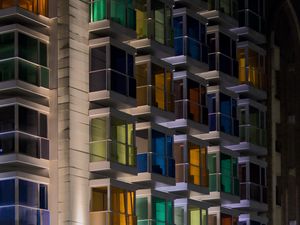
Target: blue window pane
[[28, 216], [7, 192], [28, 193], [178, 45], [193, 49], [178, 27], [118, 59], [7, 215], [226, 124], [225, 64], [171, 167], [45, 217], [211, 100], [43, 196], [158, 142], [159, 164], [212, 122], [130, 65], [118, 83], [225, 104], [142, 162], [169, 147], [192, 28]]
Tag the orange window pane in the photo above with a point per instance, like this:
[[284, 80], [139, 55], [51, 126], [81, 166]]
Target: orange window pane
[[169, 90], [30, 5], [242, 64], [99, 199], [194, 159], [226, 219], [43, 7], [159, 84], [6, 4]]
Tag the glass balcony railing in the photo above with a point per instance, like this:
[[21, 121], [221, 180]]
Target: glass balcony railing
[[112, 80], [253, 135], [252, 191], [223, 63], [251, 19], [155, 163], [39, 7], [152, 222], [27, 144], [108, 150], [25, 215], [223, 123], [111, 218], [20, 69], [191, 110], [222, 183]]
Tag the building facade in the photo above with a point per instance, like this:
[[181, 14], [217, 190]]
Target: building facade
[[140, 112]]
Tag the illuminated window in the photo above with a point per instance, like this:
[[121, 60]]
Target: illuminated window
[[120, 149], [198, 170], [35, 6]]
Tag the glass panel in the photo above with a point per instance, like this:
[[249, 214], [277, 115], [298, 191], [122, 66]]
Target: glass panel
[[7, 143], [226, 171], [194, 159], [98, 58], [131, 15], [118, 11], [28, 47], [28, 216], [170, 212], [43, 54], [99, 199], [119, 138], [118, 83], [7, 118], [43, 126], [98, 147], [7, 48], [28, 120], [179, 216], [212, 219], [7, 193], [43, 7], [44, 77], [141, 19], [7, 215], [98, 81], [30, 5], [142, 208], [28, 194], [29, 145], [159, 21], [118, 59], [98, 10], [195, 216], [43, 196], [159, 210], [7, 70], [204, 217], [6, 4], [159, 83], [28, 72]]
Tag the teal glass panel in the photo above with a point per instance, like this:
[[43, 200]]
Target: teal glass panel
[[44, 77], [118, 11], [159, 210], [43, 54], [226, 184], [7, 70], [142, 208], [28, 48], [131, 15], [28, 73], [98, 10], [213, 182], [212, 163], [7, 45]]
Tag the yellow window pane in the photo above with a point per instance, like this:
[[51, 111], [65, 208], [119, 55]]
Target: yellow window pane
[[159, 91], [30, 5], [195, 216], [43, 7], [194, 155], [98, 129], [6, 4], [141, 20], [242, 64]]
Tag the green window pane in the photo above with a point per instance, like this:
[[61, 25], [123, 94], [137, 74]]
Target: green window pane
[[195, 216], [7, 70], [131, 16], [226, 171], [7, 45], [212, 166], [118, 12], [159, 210], [142, 208], [98, 143], [43, 54], [98, 10], [204, 217], [28, 48], [213, 182], [44, 77], [28, 72]]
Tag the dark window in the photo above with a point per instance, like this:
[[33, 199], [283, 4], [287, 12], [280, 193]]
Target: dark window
[[130, 65], [193, 49], [28, 120], [7, 48], [43, 126], [7, 192], [28, 193], [254, 173], [28, 48], [28, 72], [7, 118], [192, 28], [98, 58], [29, 145], [178, 26], [263, 176], [254, 5], [43, 54], [178, 46], [118, 59], [7, 143], [43, 196], [243, 173], [225, 104], [118, 83], [212, 42], [7, 215], [224, 43]]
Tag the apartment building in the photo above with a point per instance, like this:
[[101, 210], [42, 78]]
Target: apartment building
[[140, 112]]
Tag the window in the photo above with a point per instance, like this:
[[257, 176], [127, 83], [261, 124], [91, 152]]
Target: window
[[141, 19], [7, 48], [197, 170], [162, 157], [122, 141], [162, 211], [142, 209], [98, 10], [7, 192], [35, 6]]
